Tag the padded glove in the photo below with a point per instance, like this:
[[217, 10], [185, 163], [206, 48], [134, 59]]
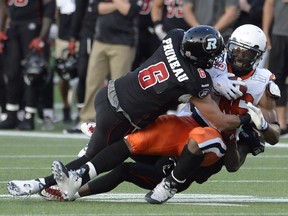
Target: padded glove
[[249, 136], [257, 117], [227, 87], [37, 44]]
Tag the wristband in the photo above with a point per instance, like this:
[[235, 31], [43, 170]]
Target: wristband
[[245, 119], [266, 128]]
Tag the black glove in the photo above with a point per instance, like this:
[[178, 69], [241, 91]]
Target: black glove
[[250, 136]]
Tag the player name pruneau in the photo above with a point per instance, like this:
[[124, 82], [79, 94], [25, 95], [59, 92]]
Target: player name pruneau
[[173, 61]]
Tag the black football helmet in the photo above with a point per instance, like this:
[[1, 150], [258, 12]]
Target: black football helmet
[[201, 44], [35, 70], [67, 68]]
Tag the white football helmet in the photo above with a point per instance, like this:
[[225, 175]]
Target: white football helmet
[[245, 48]]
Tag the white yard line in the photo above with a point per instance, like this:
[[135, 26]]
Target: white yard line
[[178, 198]]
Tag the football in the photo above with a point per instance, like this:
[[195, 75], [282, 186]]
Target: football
[[242, 88]]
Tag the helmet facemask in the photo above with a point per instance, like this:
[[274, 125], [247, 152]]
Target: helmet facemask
[[242, 58]]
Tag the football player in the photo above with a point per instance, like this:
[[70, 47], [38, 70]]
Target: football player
[[245, 49], [191, 138], [148, 175], [29, 24], [173, 74]]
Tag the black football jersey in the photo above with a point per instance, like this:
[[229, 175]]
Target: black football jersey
[[161, 82], [30, 10], [173, 15]]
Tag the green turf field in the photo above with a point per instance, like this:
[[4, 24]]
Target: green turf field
[[260, 187]]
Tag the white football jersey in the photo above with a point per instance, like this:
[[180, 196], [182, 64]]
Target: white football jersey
[[256, 84]]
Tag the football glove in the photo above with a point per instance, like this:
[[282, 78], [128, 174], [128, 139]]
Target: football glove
[[257, 117], [3, 37], [37, 44], [158, 29], [226, 87], [249, 136]]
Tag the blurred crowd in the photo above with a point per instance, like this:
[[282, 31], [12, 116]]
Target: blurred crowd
[[79, 45]]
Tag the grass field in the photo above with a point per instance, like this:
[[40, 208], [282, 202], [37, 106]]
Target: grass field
[[260, 187]]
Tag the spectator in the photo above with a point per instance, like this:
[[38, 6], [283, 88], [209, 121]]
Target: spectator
[[113, 49], [148, 41], [218, 13], [65, 11], [83, 21], [276, 12], [251, 13], [167, 15], [3, 38], [28, 29]]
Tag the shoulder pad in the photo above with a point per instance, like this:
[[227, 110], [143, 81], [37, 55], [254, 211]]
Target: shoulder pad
[[273, 89]]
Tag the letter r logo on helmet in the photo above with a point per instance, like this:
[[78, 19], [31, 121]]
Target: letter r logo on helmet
[[211, 44]]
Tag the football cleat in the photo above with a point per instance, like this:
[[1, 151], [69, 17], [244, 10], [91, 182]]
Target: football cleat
[[69, 182], [51, 193], [161, 193], [87, 128], [22, 188]]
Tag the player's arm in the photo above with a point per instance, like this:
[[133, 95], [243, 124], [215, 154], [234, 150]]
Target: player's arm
[[188, 14], [48, 16], [105, 8], [3, 14], [156, 11], [122, 6], [210, 110], [267, 19], [230, 15], [235, 156], [38, 43], [267, 105]]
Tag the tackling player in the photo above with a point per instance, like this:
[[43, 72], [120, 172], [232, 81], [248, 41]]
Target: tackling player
[[168, 136], [173, 74]]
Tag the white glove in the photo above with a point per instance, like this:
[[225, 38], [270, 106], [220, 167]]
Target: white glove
[[226, 87], [158, 29], [257, 117]]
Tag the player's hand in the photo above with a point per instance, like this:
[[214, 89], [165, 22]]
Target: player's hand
[[257, 117], [226, 87], [72, 46], [229, 137], [3, 37], [250, 137], [158, 29], [37, 44]]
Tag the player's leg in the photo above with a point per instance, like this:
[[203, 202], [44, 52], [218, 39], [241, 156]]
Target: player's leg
[[203, 142]]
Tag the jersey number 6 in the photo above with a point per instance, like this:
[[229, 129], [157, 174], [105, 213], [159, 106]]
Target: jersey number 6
[[152, 75]]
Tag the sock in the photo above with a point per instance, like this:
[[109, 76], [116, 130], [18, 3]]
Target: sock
[[87, 172], [187, 164], [106, 160]]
